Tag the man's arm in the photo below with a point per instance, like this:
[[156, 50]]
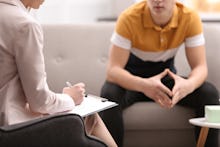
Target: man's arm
[[196, 57], [151, 87], [116, 72], [197, 60]]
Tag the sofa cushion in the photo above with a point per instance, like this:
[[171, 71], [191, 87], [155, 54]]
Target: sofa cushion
[[150, 116]]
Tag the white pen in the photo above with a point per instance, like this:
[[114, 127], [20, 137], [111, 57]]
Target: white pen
[[70, 85], [86, 95]]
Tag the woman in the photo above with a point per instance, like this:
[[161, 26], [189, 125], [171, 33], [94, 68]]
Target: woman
[[24, 92]]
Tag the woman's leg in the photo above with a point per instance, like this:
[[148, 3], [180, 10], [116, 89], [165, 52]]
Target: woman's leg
[[95, 126], [113, 118]]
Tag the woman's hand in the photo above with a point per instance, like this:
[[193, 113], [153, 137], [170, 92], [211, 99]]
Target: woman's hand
[[77, 92]]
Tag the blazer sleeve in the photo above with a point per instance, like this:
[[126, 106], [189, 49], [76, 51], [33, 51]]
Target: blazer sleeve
[[31, 69]]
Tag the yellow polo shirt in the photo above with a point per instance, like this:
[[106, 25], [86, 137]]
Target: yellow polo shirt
[[136, 32]]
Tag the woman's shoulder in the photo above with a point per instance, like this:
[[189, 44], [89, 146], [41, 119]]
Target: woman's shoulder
[[16, 18]]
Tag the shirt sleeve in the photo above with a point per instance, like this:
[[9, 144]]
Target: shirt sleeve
[[120, 41], [122, 34], [31, 69], [195, 35]]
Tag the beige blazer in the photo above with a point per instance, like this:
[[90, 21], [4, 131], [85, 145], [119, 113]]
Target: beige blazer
[[24, 93]]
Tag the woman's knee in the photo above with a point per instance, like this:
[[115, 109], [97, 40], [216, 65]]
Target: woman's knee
[[90, 123]]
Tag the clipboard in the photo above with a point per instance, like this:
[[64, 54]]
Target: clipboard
[[92, 104]]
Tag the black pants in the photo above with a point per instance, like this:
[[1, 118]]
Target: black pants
[[207, 94]]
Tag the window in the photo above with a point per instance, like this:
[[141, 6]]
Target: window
[[209, 9], [81, 11]]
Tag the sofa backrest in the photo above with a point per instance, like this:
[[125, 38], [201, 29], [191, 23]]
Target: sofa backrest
[[79, 53]]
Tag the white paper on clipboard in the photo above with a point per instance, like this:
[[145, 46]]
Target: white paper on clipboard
[[92, 104]]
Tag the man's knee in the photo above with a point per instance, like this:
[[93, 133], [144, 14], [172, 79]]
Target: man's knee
[[210, 93], [112, 91]]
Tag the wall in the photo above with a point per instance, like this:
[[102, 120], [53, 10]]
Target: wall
[[63, 11], [79, 11]]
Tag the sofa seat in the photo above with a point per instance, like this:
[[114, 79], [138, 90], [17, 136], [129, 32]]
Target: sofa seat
[[153, 126]]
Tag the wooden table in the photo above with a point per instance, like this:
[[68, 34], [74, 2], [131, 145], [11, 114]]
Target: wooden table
[[204, 129]]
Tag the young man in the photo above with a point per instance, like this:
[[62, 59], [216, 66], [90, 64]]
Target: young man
[[141, 64]]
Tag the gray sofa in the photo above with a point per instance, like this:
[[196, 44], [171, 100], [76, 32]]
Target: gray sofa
[[79, 52]]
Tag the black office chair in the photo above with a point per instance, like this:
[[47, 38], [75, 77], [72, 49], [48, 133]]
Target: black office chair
[[63, 130]]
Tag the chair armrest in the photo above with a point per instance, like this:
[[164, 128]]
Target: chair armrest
[[62, 130]]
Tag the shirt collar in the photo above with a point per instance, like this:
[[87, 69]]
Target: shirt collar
[[15, 3]]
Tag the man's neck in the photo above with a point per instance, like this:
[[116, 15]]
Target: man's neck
[[161, 20], [25, 2]]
